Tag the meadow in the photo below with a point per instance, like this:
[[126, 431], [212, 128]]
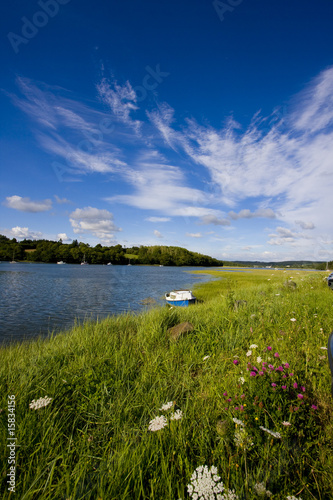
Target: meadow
[[238, 408]]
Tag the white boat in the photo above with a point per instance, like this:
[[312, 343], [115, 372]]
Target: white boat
[[61, 262], [84, 263], [109, 264], [181, 298]]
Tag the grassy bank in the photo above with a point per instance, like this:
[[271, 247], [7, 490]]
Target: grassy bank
[[109, 380]]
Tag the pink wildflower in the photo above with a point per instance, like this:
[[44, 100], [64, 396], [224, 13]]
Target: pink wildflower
[[286, 365], [300, 396], [269, 348], [235, 362], [273, 384], [295, 385], [276, 355]]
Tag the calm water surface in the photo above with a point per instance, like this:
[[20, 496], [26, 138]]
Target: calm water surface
[[40, 298]]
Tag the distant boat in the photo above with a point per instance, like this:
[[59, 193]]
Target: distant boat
[[129, 262], [13, 261], [84, 263], [109, 264], [181, 298], [161, 265], [61, 262]]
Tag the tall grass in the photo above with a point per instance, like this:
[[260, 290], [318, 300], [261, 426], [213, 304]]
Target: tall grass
[[108, 380]]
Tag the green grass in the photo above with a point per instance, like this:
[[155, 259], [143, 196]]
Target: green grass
[[107, 381]]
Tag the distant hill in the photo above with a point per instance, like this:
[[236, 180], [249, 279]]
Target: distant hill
[[53, 251]]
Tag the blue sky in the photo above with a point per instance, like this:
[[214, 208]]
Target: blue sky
[[200, 124]]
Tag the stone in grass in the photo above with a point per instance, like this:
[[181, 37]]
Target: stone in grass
[[239, 303], [290, 284], [176, 331]]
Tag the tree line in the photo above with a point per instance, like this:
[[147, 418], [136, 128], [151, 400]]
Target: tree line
[[73, 253]]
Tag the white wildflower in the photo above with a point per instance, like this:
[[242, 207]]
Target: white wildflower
[[292, 319], [242, 439], [253, 346], [241, 380], [260, 489], [238, 422], [277, 294], [293, 498], [249, 353], [274, 434], [206, 485], [259, 359], [324, 348], [167, 406], [157, 423], [206, 357], [177, 415], [35, 405]]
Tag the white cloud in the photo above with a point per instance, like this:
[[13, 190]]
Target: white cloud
[[158, 234], [314, 110], [120, 99], [24, 232], [305, 225], [213, 219], [27, 205], [64, 238], [158, 219], [247, 214], [94, 221], [194, 235], [61, 200]]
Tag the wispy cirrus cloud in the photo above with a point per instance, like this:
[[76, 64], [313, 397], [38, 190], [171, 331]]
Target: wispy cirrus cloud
[[27, 205], [288, 163], [121, 101]]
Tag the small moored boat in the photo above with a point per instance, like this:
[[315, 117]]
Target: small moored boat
[[180, 298]]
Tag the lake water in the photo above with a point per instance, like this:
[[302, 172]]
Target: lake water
[[36, 299]]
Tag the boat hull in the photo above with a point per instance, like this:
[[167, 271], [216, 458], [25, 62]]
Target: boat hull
[[181, 303]]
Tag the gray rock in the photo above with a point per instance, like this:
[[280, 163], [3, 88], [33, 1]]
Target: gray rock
[[176, 331]]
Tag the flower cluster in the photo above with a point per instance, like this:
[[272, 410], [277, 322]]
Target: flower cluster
[[261, 491], [242, 439], [159, 423], [272, 433], [293, 498], [206, 485], [40, 403]]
